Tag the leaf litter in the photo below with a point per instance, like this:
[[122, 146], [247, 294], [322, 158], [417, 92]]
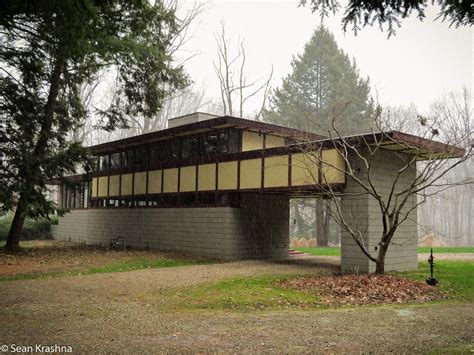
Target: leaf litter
[[365, 289]]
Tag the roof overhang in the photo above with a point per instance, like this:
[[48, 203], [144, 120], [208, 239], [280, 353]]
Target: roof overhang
[[201, 127]]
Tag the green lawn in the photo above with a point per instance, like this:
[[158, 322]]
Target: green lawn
[[336, 251], [456, 277], [265, 293], [240, 294]]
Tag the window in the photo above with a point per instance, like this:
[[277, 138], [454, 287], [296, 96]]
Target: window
[[115, 161], [190, 147], [209, 143], [104, 163], [141, 157], [233, 142], [222, 142], [95, 163], [127, 159]]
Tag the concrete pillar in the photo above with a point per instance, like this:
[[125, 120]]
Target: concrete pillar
[[362, 213]]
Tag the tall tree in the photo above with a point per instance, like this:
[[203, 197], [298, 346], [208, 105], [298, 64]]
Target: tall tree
[[48, 50], [323, 81], [236, 88]]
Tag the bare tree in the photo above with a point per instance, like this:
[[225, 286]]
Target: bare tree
[[236, 88], [183, 102], [398, 197], [447, 216]]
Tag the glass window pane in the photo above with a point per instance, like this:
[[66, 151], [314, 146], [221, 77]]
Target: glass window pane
[[127, 159], [234, 142], [104, 162], [175, 151], [209, 143], [190, 147], [156, 154], [141, 156], [222, 142], [115, 161]]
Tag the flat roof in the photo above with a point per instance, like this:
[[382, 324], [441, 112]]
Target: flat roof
[[205, 126]]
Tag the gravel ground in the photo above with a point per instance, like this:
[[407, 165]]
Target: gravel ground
[[119, 312]]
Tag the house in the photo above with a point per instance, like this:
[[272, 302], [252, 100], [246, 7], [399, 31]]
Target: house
[[220, 187]]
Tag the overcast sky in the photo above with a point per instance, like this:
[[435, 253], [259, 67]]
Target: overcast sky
[[424, 59]]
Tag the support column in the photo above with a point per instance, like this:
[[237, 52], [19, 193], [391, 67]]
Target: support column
[[362, 213]]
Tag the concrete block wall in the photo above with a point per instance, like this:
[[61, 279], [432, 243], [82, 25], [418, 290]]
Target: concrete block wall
[[362, 212], [258, 229]]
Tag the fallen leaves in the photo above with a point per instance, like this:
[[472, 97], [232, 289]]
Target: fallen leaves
[[365, 289]]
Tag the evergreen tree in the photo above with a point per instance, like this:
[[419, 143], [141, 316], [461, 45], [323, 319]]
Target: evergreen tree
[[48, 49], [323, 85]]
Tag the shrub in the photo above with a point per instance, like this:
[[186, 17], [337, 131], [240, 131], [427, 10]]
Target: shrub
[[32, 229]]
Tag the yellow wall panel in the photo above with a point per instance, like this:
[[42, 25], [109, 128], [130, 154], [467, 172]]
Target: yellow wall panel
[[94, 187], [251, 174], [331, 172], [276, 171], [207, 177], [227, 176], [114, 182], [274, 141], [126, 184], [304, 169], [139, 184], [103, 183], [251, 141], [187, 179], [154, 182], [170, 180]]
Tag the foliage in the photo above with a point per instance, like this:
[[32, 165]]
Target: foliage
[[33, 228], [323, 82], [388, 14], [49, 49]]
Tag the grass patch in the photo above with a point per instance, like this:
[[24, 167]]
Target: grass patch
[[455, 277], [240, 294], [264, 293], [322, 251], [122, 266], [457, 349], [139, 264], [446, 249], [336, 251]]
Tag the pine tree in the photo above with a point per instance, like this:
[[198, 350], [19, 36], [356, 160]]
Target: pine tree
[[48, 50], [323, 85]]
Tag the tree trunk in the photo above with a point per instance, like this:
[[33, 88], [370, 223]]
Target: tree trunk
[[327, 218], [380, 264], [13, 239], [321, 237]]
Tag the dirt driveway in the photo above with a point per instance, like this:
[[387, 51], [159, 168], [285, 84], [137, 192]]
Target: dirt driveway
[[119, 312]]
